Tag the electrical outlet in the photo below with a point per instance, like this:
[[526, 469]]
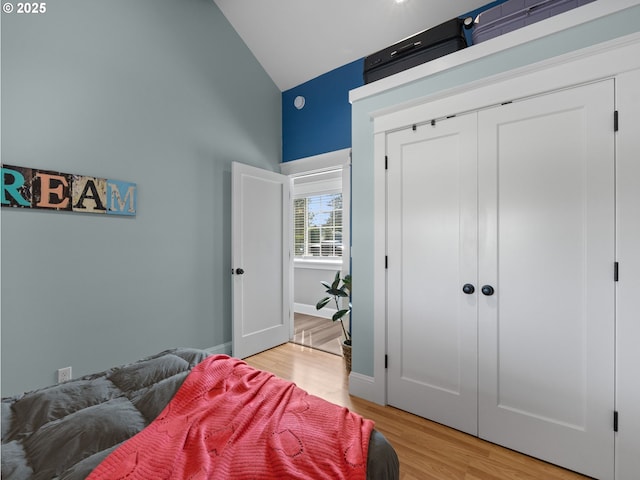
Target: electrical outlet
[[64, 374]]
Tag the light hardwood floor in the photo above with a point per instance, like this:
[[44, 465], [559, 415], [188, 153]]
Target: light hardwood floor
[[426, 450], [320, 333]]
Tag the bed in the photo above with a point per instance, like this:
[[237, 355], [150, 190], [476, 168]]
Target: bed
[[185, 414]]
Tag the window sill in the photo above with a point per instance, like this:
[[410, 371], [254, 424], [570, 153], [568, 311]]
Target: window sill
[[318, 263]]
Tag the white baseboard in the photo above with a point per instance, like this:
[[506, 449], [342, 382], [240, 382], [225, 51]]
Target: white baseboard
[[311, 310], [224, 348]]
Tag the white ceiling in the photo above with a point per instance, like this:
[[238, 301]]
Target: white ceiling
[[297, 40]]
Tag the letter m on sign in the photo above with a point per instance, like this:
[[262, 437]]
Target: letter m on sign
[[121, 198]]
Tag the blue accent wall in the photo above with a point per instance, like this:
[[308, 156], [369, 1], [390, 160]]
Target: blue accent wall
[[324, 123]]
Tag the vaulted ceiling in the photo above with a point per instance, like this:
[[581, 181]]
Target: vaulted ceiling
[[297, 40]]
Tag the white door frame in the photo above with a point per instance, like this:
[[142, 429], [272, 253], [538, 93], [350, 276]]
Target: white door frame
[[628, 237], [317, 164], [594, 63]]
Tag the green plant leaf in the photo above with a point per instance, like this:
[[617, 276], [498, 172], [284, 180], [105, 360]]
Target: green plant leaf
[[335, 292], [336, 281], [339, 314], [322, 303], [347, 283]]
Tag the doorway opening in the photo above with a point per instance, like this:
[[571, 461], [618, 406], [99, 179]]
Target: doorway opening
[[320, 244]]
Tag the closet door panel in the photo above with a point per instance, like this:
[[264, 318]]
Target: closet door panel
[[432, 324], [546, 245]]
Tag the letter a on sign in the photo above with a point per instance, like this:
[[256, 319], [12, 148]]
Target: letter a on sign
[[89, 194]]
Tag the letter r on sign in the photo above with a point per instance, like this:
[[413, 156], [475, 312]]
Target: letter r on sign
[[12, 182]]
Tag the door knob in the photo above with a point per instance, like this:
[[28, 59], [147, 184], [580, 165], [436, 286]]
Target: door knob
[[239, 271], [468, 288], [488, 290]]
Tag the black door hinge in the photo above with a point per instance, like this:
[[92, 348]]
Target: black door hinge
[[615, 272], [616, 125], [386, 361], [386, 261], [615, 421], [386, 162]]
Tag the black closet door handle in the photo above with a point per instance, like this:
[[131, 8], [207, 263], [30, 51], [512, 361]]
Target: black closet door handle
[[239, 271], [488, 290], [468, 288]]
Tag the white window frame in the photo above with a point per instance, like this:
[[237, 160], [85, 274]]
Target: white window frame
[[317, 164], [315, 189]]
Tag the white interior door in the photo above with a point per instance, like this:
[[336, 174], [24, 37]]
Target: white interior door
[[546, 246], [260, 226], [432, 254]]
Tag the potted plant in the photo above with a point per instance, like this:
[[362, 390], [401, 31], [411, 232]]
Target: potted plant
[[338, 290]]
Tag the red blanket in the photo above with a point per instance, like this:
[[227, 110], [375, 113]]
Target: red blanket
[[229, 421]]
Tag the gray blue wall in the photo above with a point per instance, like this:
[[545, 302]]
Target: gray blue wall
[[162, 93], [606, 28]]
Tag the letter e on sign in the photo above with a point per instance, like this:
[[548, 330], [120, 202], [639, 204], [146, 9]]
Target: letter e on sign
[[52, 190]]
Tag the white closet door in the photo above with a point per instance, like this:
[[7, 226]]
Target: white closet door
[[546, 245], [432, 325]]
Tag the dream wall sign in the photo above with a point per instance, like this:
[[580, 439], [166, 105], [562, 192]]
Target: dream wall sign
[[24, 187]]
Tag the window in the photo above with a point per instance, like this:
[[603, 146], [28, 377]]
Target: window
[[317, 216], [318, 225]]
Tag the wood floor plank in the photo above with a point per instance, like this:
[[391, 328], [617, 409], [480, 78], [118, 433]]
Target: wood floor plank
[[320, 333], [427, 450]]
